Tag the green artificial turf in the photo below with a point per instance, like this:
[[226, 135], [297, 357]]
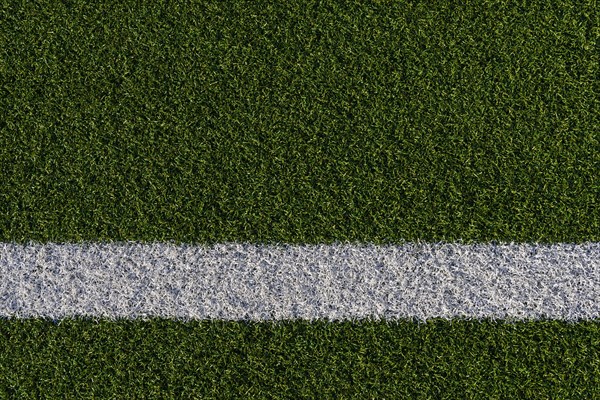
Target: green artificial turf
[[300, 121], [167, 359]]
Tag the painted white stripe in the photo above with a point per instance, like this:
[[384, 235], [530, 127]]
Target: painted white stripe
[[265, 282]]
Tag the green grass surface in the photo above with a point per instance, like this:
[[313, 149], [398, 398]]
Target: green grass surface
[[303, 122], [167, 359], [300, 121]]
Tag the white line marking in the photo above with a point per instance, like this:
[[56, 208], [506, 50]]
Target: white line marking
[[335, 282]]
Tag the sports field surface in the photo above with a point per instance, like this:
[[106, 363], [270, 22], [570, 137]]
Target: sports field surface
[[300, 199]]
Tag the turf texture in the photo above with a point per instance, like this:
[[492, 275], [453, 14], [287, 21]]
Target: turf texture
[[299, 122], [164, 359]]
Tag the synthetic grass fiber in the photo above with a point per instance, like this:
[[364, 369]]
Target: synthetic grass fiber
[[299, 122], [166, 359]]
